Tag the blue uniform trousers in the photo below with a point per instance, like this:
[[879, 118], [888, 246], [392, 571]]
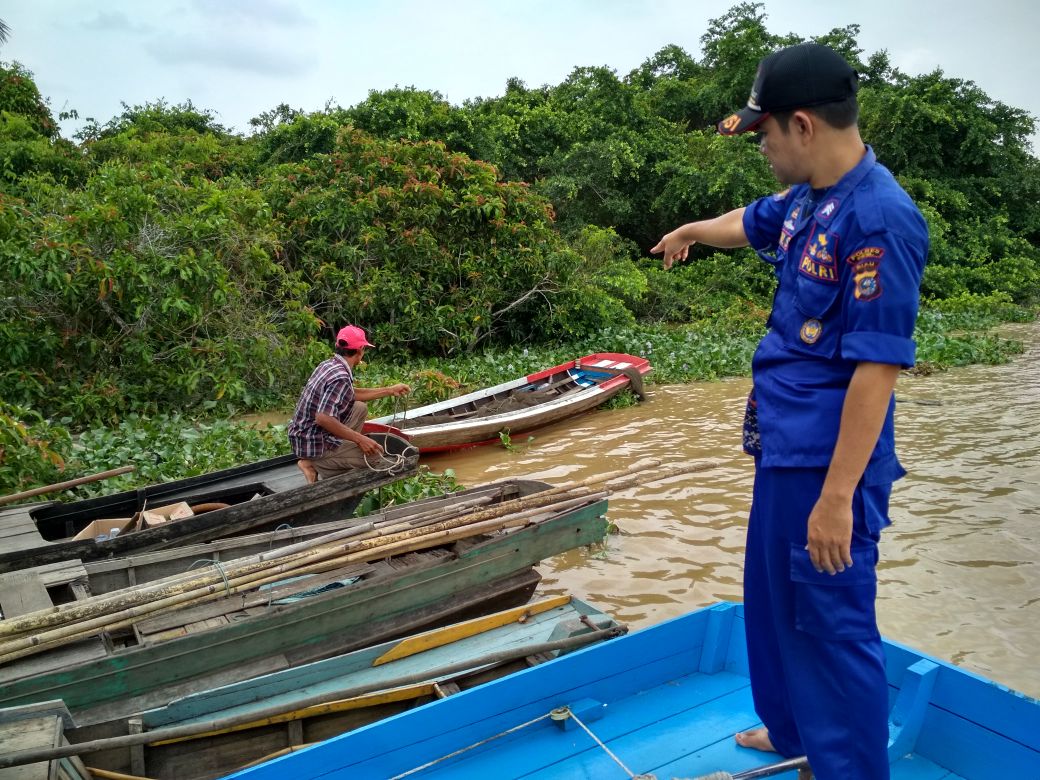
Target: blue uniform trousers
[[815, 654]]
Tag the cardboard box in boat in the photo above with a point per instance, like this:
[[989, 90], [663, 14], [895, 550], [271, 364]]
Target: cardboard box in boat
[[149, 518], [98, 527]]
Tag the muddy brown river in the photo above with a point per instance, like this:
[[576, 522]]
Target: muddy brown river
[[959, 576]]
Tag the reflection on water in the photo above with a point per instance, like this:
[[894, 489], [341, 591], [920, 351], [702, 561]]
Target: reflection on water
[[959, 577]]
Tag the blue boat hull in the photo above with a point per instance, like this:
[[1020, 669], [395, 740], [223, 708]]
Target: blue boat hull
[[666, 701]]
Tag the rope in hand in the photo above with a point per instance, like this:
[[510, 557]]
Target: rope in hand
[[396, 462]]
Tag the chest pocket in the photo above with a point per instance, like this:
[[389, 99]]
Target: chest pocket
[[814, 327]]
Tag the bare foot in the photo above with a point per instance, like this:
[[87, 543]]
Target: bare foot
[[757, 739], [309, 472]]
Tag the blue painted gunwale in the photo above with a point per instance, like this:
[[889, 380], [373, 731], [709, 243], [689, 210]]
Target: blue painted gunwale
[[668, 700]]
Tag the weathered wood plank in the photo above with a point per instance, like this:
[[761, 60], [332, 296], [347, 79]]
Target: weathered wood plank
[[240, 602], [34, 726], [22, 593]]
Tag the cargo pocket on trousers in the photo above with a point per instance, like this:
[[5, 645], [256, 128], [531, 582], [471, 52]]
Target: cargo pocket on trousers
[[838, 606]]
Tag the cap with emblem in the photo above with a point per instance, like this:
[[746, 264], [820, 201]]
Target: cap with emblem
[[802, 76]]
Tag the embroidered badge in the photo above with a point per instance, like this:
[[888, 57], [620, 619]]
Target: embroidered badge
[[866, 253], [811, 330], [818, 258], [866, 280], [794, 213], [785, 239], [828, 208]]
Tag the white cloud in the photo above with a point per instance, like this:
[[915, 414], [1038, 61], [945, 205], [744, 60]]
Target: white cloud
[[250, 57]]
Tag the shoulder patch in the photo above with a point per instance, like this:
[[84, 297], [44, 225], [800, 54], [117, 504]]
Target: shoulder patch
[[866, 280], [874, 253]]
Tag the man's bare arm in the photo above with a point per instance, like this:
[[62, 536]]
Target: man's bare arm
[[342, 432], [372, 393], [862, 416], [725, 232]]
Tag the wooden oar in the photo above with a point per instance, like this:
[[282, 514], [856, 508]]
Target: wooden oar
[[65, 485]]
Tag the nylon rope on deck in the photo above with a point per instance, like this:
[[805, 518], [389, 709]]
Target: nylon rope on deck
[[558, 714], [470, 747], [567, 713]]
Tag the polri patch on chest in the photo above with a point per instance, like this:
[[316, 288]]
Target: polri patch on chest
[[818, 259]]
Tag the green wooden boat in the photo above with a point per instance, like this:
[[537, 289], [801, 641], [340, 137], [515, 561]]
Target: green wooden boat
[[216, 750], [243, 499], [235, 638]]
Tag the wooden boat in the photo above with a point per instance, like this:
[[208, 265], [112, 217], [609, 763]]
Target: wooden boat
[[39, 726], [215, 750], [257, 496], [666, 701], [518, 406], [151, 659]]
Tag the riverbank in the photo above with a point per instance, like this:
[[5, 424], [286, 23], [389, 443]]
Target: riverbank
[[163, 447]]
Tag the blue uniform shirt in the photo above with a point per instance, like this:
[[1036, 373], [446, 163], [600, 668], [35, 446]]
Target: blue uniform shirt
[[849, 261]]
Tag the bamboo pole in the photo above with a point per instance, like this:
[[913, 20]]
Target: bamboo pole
[[65, 485], [119, 599], [318, 556], [396, 544], [168, 586]]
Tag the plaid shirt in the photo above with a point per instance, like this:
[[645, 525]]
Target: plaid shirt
[[330, 390]]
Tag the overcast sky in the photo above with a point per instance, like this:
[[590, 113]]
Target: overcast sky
[[238, 58]]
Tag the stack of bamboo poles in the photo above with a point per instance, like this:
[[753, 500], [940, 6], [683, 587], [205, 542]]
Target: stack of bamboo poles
[[371, 541]]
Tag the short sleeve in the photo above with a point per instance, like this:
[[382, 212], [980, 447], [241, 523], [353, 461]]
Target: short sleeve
[[882, 293], [763, 220], [335, 397]]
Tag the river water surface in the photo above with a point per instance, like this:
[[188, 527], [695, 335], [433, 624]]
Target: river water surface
[[959, 573]]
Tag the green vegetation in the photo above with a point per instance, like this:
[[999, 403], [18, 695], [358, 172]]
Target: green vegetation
[[160, 269]]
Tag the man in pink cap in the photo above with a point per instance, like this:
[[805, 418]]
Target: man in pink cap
[[325, 430]]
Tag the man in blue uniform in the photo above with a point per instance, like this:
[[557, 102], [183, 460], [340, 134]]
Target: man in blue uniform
[[848, 247]]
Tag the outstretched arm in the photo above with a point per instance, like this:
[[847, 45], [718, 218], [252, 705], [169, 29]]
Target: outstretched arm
[[725, 232], [372, 393]]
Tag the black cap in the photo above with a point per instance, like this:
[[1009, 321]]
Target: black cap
[[802, 76]]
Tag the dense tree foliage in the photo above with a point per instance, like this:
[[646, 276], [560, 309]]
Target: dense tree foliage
[[159, 261]]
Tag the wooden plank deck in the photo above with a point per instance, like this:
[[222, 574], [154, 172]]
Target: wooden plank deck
[[36, 726]]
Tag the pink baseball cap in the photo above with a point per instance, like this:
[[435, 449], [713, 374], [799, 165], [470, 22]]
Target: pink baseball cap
[[352, 337]]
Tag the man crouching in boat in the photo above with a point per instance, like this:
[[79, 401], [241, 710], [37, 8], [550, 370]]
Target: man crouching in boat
[[325, 430]]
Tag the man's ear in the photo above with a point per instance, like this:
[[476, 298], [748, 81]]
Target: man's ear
[[803, 123]]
